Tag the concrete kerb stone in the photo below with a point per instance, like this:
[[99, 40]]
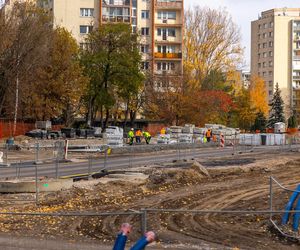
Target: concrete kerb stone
[[28, 185]]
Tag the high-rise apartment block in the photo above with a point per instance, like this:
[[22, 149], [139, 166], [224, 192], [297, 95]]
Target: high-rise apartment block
[[159, 23], [275, 53]]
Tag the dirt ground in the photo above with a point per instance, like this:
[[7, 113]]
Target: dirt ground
[[235, 183]]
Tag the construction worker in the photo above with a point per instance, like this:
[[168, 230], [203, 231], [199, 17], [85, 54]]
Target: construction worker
[[163, 131], [147, 136], [138, 135], [208, 135], [131, 136]]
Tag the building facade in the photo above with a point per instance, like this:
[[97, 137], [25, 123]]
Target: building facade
[[159, 23], [275, 54]]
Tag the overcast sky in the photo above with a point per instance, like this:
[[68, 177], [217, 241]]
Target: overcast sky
[[243, 12]]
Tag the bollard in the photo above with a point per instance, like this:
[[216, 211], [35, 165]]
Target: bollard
[[36, 186], [66, 149]]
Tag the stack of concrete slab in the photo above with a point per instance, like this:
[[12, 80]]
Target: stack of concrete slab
[[186, 138], [176, 131], [114, 136], [164, 139], [262, 139], [229, 133]]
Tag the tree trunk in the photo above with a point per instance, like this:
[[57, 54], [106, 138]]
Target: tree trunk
[[106, 119], [126, 115]]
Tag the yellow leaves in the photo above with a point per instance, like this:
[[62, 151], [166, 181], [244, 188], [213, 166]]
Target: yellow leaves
[[258, 95]]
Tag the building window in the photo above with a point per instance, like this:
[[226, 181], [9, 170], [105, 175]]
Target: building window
[[145, 14], [264, 45], [259, 26], [171, 15], [165, 66], [264, 64], [145, 65], [85, 29], [258, 36], [270, 63], [166, 32], [258, 55], [259, 65], [270, 93], [259, 46], [145, 48], [86, 12], [265, 54], [270, 84], [265, 26], [270, 53], [145, 31], [271, 34], [271, 44], [264, 73], [271, 24], [264, 35], [270, 73]]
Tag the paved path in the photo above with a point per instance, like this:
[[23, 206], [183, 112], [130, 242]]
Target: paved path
[[120, 162]]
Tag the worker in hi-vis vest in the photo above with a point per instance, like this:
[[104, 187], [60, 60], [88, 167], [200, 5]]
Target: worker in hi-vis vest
[[131, 136], [147, 136], [208, 135]]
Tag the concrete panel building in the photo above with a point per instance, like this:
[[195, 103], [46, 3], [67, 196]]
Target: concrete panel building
[[275, 53], [159, 23]]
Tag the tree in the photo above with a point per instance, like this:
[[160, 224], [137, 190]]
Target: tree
[[260, 122], [112, 62], [292, 121], [258, 95], [22, 50], [211, 42], [243, 114], [61, 83], [277, 111]]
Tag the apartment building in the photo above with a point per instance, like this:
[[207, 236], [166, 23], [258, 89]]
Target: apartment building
[[275, 54], [159, 23]]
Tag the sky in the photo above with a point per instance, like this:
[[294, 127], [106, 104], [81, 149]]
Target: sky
[[243, 12]]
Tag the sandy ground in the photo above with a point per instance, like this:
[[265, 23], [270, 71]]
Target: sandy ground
[[235, 183]]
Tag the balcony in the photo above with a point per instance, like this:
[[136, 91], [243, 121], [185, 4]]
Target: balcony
[[297, 57], [176, 5], [115, 19], [115, 3], [168, 55], [296, 77]]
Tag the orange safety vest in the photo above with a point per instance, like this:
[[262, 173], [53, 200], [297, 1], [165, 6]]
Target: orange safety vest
[[138, 133], [208, 134]]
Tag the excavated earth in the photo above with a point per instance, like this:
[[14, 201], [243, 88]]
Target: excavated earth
[[234, 183]]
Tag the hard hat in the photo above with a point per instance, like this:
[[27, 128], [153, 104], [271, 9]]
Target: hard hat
[[131, 129]]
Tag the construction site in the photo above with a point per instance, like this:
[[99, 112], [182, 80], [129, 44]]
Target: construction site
[[193, 195]]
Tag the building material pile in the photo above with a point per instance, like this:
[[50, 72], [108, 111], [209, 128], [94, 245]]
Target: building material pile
[[114, 136]]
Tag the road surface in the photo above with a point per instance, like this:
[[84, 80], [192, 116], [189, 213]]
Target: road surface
[[119, 162]]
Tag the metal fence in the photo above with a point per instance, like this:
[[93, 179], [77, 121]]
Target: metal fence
[[275, 211]]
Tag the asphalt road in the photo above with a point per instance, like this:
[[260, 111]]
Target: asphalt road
[[120, 162]]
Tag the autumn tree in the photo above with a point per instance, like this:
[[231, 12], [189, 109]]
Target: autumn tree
[[112, 62], [61, 82], [24, 36], [258, 95], [243, 114], [277, 110], [211, 43]]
